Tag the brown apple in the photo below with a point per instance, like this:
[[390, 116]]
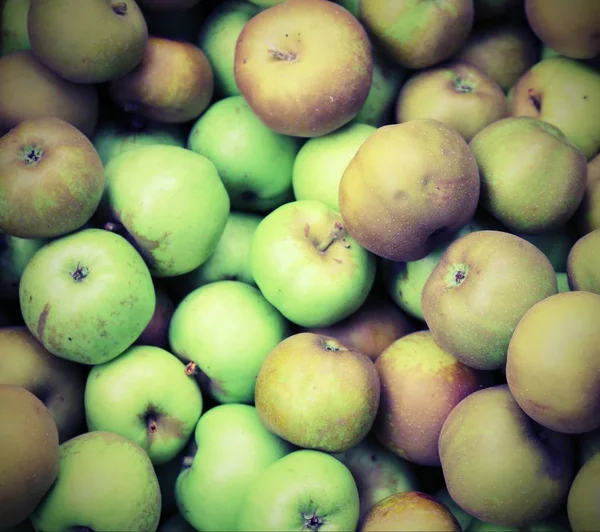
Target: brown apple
[[409, 187], [583, 505], [172, 84], [583, 268], [304, 66], [587, 217], [457, 94], [420, 385]]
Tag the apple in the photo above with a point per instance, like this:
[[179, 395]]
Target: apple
[[418, 35], [51, 179], [170, 202], [555, 244], [305, 489], [463, 518], [233, 449], [588, 216], [457, 94], [582, 504], [224, 330], [351, 5], [218, 37], [400, 203], [307, 266], [254, 162], [589, 445], [582, 263], [105, 482], [87, 296], [180, 94], [553, 85], [562, 280], [311, 416], [13, 26], [320, 56], [15, 253]]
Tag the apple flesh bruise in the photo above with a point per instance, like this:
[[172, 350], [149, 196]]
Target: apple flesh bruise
[[224, 331], [59, 384], [117, 480], [170, 202], [412, 510], [583, 269], [320, 56], [308, 267], [587, 217], [553, 365], [418, 182], [172, 84], [51, 179], [499, 465], [417, 35], [558, 83], [310, 416], [87, 296], [233, 449], [15, 253], [304, 490], [483, 285], [582, 504]]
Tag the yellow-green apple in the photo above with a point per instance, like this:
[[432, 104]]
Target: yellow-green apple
[[457, 94], [320, 56], [532, 177], [87, 296], [463, 518], [409, 187], [499, 465], [107, 41], [587, 217], [553, 85], [553, 365], [105, 482], [59, 384], [224, 331], [173, 83], [168, 5], [229, 261], [416, 34], [377, 472], [420, 385], [13, 26], [234, 448], [582, 505], [310, 415], [15, 253], [170, 202], [570, 29], [503, 51], [483, 285], [254, 162], [51, 179], [410, 510], [30, 90], [217, 38], [156, 332], [304, 490], [583, 269], [321, 162], [486, 10], [307, 266], [372, 328], [562, 280], [29, 463]]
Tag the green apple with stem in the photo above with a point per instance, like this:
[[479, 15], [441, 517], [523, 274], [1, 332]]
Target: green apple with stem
[[87, 296], [233, 448], [105, 482], [304, 490], [307, 265], [15, 253], [321, 161], [147, 396]]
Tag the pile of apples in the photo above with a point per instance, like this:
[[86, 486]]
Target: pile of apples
[[299, 265]]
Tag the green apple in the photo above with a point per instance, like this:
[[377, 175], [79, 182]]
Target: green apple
[[254, 163], [105, 482], [223, 331], [305, 490], [13, 26], [146, 396], [234, 447], [320, 163], [87, 296], [308, 267], [230, 260], [171, 202], [217, 38], [463, 518], [15, 253], [554, 244], [351, 5], [562, 281]]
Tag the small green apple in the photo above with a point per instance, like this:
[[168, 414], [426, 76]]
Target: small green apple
[[304, 490], [13, 26], [87, 296], [146, 396], [234, 447], [15, 253]]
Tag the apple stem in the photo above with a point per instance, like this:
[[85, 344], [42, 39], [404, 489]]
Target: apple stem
[[191, 368], [334, 235], [282, 56], [120, 8]]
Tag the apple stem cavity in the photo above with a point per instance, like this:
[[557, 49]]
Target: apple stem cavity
[[462, 85], [312, 522], [337, 232], [120, 8], [80, 273], [282, 56], [457, 273], [31, 155]]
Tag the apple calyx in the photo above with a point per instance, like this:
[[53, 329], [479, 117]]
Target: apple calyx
[[535, 99], [457, 273], [338, 233], [31, 155], [312, 522], [120, 8], [282, 56], [333, 346], [191, 368], [462, 85], [80, 273]]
